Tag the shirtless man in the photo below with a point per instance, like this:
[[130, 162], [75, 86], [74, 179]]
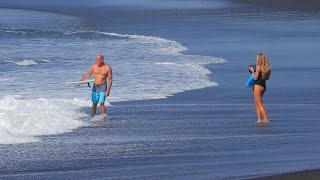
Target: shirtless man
[[100, 90]]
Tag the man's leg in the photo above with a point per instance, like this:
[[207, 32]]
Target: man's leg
[[102, 99], [103, 112], [95, 100], [93, 110], [103, 108]]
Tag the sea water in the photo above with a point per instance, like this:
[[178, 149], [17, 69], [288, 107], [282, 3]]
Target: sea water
[[41, 51]]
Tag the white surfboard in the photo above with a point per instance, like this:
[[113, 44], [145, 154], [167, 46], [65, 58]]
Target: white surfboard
[[79, 83]]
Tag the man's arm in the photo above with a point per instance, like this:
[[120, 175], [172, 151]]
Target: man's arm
[[87, 75], [110, 81]]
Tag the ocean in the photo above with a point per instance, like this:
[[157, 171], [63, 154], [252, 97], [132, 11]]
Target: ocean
[[178, 107]]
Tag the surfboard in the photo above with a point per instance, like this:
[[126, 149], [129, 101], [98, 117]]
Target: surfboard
[[79, 83], [249, 82]]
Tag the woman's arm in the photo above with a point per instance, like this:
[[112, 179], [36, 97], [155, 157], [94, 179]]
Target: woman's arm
[[268, 75]]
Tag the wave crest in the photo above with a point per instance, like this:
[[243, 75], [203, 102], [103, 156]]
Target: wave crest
[[23, 120]]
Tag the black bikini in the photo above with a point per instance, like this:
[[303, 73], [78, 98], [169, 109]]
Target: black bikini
[[260, 81]]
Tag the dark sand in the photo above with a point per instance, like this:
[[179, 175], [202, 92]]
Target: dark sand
[[303, 175]]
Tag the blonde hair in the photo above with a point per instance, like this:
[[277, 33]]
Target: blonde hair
[[264, 64]]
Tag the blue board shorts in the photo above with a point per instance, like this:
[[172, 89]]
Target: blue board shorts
[[98, 94]]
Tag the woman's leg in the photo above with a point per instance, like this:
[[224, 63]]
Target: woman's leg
[[256, 101], [263, 109], [259, 91]]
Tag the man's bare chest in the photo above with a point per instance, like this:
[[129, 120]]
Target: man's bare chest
[[100, 71]]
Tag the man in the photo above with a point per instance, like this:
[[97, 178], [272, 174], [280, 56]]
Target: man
[[100, 90]]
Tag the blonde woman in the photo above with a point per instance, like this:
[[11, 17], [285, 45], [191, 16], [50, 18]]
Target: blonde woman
[[261, 73]]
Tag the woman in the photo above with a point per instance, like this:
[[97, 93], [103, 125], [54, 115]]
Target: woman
[[261, 74]]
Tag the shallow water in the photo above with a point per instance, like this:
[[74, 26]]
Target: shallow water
[[173, 141]]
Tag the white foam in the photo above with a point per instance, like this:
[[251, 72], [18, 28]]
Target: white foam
[[167, 63], [5, 78], [166, 46], [27, 62], [43, 61], [23, 62], [23, 120], [13, 31]]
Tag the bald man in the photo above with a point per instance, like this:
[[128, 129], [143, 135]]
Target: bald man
[[101, 72]]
